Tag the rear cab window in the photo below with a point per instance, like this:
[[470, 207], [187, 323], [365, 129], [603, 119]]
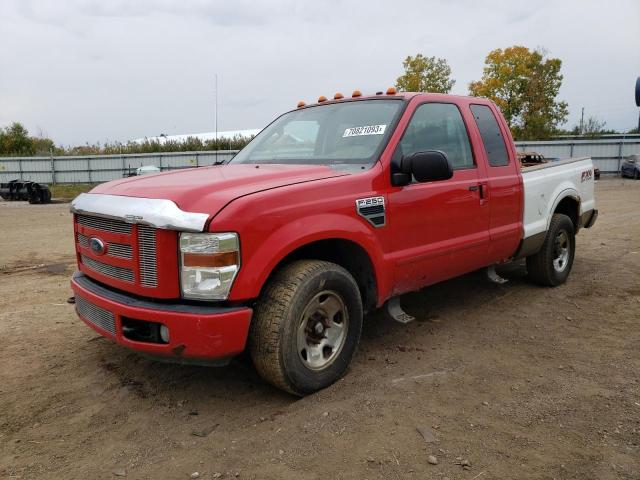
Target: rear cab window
[[492, 137]]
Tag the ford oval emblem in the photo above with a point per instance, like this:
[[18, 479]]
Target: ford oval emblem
[[97, 246]]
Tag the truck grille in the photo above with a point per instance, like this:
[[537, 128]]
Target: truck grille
[[105, 224], [147, 256], [138, 258], [96, 315], [120, 273]]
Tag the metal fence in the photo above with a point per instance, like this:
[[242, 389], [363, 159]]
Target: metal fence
[[101, 168], [607, 155]]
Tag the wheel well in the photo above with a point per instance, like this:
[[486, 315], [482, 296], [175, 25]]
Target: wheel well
[[570, 207], [349, 255]]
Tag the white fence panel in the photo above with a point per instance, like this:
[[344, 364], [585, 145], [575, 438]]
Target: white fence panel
[[607, 155]]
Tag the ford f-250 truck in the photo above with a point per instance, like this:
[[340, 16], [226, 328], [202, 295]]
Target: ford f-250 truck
[[334, 209]]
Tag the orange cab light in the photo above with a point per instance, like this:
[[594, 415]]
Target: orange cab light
[[301, 104], [391, 91], [224, 259], [322, 98], [338, 96], [356, 93]]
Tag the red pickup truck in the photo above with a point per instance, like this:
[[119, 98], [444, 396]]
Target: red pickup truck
[[334, 209]]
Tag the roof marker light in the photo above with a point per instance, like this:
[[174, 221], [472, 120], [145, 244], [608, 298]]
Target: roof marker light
[[301, 104], [391, 91], [338, 96], [322, 98], [356, 93]]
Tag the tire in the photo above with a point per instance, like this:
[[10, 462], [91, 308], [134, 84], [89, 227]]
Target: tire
[[285, 342], [552, 264], [636, 175]]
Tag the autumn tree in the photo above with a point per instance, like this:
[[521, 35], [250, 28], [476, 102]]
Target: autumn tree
[[15, 140], [525, 85], [425, 74]]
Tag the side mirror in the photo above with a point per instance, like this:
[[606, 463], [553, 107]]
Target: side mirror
[[429, 166]]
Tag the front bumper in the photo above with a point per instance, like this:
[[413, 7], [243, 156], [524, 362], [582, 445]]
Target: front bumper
[[197, 333]]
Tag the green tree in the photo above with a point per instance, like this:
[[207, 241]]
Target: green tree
[[525, 85], [15, 140], [425, 74]]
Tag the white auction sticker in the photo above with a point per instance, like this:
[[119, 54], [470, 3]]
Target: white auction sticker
[[367, 130]]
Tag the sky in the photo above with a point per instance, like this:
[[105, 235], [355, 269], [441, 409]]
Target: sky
[[86, 71]]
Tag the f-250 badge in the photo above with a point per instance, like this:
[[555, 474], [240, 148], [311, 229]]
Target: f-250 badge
[[586, 175], [372, 208]]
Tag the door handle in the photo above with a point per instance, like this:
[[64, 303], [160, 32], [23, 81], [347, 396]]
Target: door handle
[[474, 188], [483, 193]]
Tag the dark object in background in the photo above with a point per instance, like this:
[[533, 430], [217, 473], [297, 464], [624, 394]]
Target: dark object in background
[[529, 159], [24, 190], [631, 167]]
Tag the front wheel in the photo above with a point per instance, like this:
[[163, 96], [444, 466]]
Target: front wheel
[[306, 326], [552, 264]]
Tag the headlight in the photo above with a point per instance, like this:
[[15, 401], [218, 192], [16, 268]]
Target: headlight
[[210, 262]]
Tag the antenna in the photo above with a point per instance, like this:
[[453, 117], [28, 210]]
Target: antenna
[[216, 116], [216, 108]]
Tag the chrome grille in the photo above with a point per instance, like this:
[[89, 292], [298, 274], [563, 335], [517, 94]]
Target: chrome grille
[[105, 224], [147, 256], [83, 240], [112, 271], [120, 250], [96, 315]]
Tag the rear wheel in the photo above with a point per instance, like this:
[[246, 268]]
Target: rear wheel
[[306, 326], [552, 264]]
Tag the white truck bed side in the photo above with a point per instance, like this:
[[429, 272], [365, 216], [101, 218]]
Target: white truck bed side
[[547, 184]]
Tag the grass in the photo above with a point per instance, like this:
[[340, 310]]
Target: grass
[[70, 191]]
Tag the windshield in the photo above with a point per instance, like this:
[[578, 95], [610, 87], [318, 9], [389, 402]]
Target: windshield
[[337, 133]]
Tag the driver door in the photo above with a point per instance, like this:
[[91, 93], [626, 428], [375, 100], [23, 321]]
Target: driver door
[[440, 229]]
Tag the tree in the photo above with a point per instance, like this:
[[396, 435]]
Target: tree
[[15, 140], [525, 85], [594, 127], [425, 74]]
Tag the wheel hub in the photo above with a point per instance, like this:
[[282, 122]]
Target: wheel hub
[[323, 330], [561, 252]]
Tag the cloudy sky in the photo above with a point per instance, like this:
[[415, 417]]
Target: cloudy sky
[[96, 70]]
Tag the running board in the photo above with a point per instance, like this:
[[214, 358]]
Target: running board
[[394, 310], [494, 277]]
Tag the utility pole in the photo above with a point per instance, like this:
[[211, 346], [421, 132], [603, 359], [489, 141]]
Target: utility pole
[[582, 122], [638, 100]]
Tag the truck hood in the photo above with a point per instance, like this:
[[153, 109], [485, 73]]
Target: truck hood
[[209, 189]]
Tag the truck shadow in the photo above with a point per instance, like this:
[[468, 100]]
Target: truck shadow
[[204, 388], [462, 294]]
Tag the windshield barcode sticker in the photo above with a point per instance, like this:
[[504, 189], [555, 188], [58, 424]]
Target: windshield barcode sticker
[[368, 130]]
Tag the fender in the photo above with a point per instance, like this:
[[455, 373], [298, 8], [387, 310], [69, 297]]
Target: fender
[[565, 190], [303, 231]]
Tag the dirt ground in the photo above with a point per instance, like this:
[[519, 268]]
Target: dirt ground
[[505, 381]]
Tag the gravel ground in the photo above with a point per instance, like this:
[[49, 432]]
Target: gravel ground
[[490, 382]]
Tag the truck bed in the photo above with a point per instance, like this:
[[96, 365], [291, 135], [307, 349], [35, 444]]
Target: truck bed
[[545, 185]]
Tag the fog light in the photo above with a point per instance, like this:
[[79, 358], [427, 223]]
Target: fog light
[[164, 333]]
